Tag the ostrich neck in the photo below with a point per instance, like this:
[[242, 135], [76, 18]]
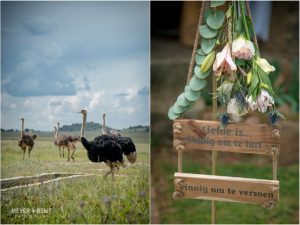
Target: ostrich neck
[[57, 130], [83, 124], [22, 128], [103, 125]]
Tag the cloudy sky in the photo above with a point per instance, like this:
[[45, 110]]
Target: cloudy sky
[[60, 57]]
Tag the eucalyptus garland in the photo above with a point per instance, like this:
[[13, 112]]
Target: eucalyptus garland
[[229, 50]]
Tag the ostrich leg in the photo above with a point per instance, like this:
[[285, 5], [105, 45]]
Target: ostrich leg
[[29, 149], [111, 166], [24, 154], [72, 155], [113, 174], [69, 154]]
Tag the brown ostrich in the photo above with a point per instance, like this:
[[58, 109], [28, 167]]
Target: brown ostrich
[[73, 139], [65, 141], [56, 142], [106, 131], [26, 140]]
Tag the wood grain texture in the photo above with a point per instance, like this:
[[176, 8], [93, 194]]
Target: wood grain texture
[[236, 137], [223, 188]]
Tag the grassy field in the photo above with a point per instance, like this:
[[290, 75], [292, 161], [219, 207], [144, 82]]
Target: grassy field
[[88, 199]]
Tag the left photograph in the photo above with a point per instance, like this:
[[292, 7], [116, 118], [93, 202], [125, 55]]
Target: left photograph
[[75, 112]]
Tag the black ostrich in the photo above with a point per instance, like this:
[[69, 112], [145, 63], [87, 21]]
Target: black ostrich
[[108, 149]]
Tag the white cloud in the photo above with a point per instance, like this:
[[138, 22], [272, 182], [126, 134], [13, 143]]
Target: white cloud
[[132, 92], [128, 110], [49, 73]]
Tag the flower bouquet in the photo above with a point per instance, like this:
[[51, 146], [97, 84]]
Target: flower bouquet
[[229, 50]]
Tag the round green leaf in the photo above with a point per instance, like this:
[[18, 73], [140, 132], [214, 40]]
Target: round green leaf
[[191, 95], [182, 101], [172, 115], [201, 75], [186, 88], [199, 59], [216, 3], [206, 32], [207, 12], [197, 84], [197, 70], [178, 109], [200, 52], [207, 45], [215, 19]]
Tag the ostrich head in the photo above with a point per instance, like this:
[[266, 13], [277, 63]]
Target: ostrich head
[[83, 111]]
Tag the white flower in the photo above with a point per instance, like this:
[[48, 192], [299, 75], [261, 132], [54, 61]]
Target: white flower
[[264, 100], [234, 109], [251, 103], [242, 48], [224, 62], [264, 65]]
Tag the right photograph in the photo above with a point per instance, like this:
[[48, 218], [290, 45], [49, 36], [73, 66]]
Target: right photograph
[[224, 112]]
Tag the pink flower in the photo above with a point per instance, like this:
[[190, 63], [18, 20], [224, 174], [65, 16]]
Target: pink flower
[[242, 48], [224, 62], [262, 102]]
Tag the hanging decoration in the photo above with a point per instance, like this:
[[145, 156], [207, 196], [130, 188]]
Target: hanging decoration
[[228, 49]]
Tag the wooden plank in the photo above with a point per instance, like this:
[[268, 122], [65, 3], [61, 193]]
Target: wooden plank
[[223, 188], [236, 137]]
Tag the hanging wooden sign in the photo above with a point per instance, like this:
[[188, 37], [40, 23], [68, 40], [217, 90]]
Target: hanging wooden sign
[[223, 188], [236, 137]]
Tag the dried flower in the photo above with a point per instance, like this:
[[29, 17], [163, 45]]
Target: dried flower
[[224, 119], [243, 48], [224, 62], [81, 204], [142, 194], [107, 201], [264, 65], [234, 108], [224, 92], [274, 116]]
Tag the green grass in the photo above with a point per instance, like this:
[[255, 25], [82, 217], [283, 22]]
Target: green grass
[[82, 200], [199, 211]]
